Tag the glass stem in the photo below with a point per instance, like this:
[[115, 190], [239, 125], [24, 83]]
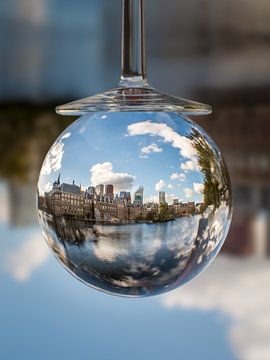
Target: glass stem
[[133, 44]]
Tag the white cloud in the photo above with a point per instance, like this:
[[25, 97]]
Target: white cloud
[[107, 251], [160, 184], [152, 148], [104, 174], [170, 186], [48, 187], [54, 157], [181, 177], [239, 288], [170, 197], [190, 165], [198, 188], [151, 199], [66, 136], [24, 260], [167, 134], [188, 192]]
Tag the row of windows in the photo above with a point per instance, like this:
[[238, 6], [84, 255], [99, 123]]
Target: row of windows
[[74, 202], [108, 208]]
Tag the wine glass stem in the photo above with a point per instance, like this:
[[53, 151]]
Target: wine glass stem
[[133, 44]]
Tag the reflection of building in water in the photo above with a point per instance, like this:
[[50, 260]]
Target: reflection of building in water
[[69, 200]]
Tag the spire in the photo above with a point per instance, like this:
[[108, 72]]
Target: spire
[[58, 180]]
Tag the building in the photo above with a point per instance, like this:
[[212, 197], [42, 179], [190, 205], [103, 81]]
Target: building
[[125, 197], [162, 198], [91, 190], [70, 201], [138, 196], [109, 191], [184, 209], [128, 197], [100, 190]]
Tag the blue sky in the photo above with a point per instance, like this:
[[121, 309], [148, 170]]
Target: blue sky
[[50, 315], [118, 139]]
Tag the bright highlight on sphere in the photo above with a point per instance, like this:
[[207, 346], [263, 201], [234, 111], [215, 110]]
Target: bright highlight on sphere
[[134, 204]]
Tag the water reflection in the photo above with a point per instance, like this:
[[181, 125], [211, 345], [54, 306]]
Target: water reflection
[[150, 207]]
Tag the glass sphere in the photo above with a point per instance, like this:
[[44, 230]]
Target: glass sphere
[[134, 203]]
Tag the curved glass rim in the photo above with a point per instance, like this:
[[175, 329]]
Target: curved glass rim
[[133, 99]]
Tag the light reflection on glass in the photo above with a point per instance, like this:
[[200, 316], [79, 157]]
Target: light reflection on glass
[[134, 204]]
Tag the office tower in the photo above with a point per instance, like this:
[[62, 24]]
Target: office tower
[[162, 198], [123, 196], [109, 191], [138, 196], [100, 190], [128, 196]]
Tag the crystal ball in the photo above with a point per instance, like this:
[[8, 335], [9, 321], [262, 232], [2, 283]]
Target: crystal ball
[[134, 203]]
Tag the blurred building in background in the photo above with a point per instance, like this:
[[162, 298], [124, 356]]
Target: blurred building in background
[[215, 52]]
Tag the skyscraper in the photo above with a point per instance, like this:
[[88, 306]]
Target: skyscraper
[[109, 191], [128, 195], [100, 190], [138, 196], [162, 198], [123, 196]]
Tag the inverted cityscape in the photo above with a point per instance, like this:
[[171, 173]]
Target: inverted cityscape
[[134, 204]]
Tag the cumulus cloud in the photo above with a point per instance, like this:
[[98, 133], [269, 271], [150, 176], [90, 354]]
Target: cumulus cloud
[[170, 186], [240, 289], [198, 188], [152, 198], [170, 197], [188, 192], [102, 173], [48, 187], [190, 165], [180, 177], [167, 134], [54, 157], [152, 148], [160, 184], [27, 258]]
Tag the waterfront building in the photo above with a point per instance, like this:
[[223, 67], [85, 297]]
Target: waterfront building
[[70, 201]]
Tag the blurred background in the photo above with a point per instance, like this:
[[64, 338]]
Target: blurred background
[[55, 51]]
